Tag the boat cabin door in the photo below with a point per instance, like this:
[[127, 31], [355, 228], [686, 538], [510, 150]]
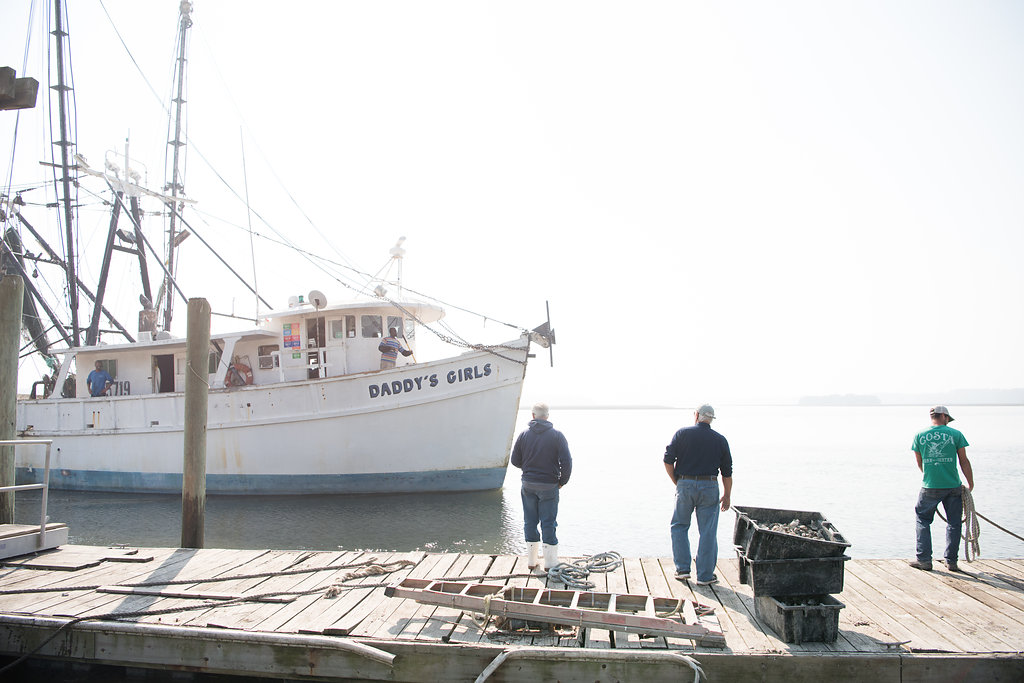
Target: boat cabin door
[[340, 329], [163, 374], [316, 353]]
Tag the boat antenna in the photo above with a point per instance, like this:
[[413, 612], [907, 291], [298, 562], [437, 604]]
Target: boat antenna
[[176, 184], [248, 206], [397, 252]]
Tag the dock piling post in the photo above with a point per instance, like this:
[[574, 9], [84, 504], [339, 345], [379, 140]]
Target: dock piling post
[[197, 388], [12, 289]]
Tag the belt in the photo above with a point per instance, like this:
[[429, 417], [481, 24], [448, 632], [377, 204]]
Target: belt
[[687, 476]]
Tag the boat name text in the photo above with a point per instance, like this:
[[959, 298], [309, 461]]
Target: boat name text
[[412, 384]]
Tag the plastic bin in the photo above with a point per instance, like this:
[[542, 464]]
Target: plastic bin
[[804, 620], [758, 543], [799, 576]]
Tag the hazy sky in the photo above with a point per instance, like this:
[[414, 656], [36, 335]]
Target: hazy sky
[[721, 202]]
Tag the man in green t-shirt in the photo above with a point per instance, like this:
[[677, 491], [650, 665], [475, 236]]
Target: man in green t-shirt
[[938, 450]]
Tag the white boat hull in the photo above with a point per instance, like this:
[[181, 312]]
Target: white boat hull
[[440, 426]]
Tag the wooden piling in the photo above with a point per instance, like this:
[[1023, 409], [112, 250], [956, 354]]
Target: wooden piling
[[197, 388], [12, 291]]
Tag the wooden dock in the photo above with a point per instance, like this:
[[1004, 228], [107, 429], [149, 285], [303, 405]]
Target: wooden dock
[[274, 616]]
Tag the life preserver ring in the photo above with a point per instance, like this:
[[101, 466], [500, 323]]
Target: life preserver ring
[[238, 375]]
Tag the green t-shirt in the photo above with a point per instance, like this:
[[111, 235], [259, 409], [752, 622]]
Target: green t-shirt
[[938, 446]]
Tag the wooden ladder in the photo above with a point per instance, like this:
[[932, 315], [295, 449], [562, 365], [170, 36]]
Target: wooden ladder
[[641, 614]]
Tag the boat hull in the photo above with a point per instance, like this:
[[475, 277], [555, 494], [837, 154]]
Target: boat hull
[[440, 426]]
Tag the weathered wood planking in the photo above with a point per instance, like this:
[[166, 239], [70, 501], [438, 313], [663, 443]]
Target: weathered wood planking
[[970, 624]]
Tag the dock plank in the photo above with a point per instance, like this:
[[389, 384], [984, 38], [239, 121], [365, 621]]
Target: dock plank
[[467, 630], [954, 622], [394, 614], [316, 612], [738, 601], [423, 614], [230, 616], [371, 606], [73, 602], [274, 617], [439, 624], [926, 632], [203, 567], [983, 629], [20, 578]]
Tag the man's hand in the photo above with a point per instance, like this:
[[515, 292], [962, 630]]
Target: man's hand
[[725, 503]]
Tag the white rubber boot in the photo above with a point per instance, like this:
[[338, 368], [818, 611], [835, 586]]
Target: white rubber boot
[[550, 556], [533, 555]]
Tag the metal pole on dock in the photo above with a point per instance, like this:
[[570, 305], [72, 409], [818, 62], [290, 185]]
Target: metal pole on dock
[[197, 388], [12, 291]]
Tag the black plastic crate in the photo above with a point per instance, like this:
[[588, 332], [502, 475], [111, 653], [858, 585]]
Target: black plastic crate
[[799, 576], [808, 619], [759, 543]]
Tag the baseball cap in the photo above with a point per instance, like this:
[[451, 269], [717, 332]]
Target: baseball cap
[[706, 411], [941, 410]]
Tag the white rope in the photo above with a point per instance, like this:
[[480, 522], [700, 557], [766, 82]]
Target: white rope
[[481, 620], [972, 530]]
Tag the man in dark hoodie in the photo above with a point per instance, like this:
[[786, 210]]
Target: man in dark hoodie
[[542, 453]]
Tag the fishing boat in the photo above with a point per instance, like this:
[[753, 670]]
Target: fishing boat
[[298, 401]]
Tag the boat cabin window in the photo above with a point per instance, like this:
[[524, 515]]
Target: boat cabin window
[[338, 329], [350, 326], [396, 322], [214, 363], [372, 326], [110, 366], [268, 357]]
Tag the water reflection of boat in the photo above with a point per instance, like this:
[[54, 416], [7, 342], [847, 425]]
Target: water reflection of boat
[[298, 403]]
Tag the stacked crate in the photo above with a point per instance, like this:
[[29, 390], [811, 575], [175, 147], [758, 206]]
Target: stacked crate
[[792, 577]]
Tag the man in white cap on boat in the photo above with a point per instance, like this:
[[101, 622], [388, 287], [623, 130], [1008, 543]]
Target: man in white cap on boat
[[693, 460], [938, 449], [542, 453]]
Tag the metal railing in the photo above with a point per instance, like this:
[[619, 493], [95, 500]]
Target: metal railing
[[45, 486]]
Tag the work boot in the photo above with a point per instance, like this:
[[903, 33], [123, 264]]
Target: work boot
[[550, 556], [533, 554], [923, 566], [952, 566]]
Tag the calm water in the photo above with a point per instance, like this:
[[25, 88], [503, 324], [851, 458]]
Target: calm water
[[853, 465]]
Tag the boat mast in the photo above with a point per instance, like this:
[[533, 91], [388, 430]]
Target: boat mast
[[175, 186], [65, 144]]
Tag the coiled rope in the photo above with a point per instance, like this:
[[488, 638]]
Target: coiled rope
[[574, 575], [972, 548], [972, 530]]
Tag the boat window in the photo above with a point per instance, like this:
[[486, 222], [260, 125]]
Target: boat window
[[396, 322], [214, 362], [268, 357], [338, 329], [350, 325], [410, 330], [110, 366], [372, 326]]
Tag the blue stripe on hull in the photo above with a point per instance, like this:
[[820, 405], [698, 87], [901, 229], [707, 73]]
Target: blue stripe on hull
[[273, 484]]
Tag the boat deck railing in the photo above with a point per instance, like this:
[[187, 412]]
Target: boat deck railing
[[45, 486]]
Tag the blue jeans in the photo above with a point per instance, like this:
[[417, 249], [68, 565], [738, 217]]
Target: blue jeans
[[540, 506], [702, 497], [927, 502]]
